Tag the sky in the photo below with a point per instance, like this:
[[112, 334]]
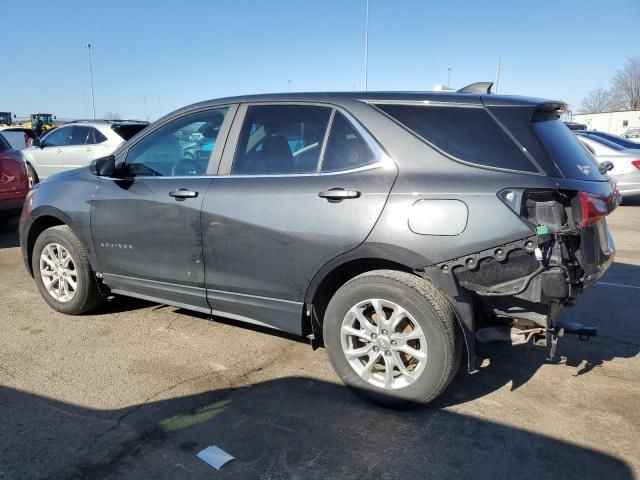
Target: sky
[[152, 57]]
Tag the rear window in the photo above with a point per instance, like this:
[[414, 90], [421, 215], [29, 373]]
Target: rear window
[[4, 145], [128, 131], [465, 133], [574, 161]]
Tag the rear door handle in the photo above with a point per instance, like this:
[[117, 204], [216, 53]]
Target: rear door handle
[[338, 194], [183, 193]]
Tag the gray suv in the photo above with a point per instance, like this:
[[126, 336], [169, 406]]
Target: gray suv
[[395, 229]]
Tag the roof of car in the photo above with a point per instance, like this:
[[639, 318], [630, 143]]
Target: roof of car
[[337, 97], [110, 122]]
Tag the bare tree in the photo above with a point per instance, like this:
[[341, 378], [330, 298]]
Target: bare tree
[[597, 101], [112, 116], [626, 84]]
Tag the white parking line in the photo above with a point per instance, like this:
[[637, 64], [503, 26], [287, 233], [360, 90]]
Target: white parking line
[[606, 284]]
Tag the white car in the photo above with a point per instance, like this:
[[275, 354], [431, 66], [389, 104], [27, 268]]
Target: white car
[[75, 145], [632, 134], [626, 162]]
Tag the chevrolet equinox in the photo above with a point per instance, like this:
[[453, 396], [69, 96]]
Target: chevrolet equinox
[[396, 229]]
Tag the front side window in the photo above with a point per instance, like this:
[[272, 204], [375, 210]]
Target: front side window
[[182, 147], [57, 137], [346, 149], [281, 139], [467, 134]]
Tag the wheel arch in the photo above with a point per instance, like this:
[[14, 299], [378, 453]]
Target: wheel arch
[[47, 218], [341, 269]]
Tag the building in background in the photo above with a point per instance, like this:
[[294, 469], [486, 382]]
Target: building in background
[[611, 122]]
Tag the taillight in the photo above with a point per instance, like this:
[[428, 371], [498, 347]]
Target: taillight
[[635, 163], [593, 208]]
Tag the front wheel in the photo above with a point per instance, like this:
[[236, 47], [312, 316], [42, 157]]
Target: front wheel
[[63, 274], [391, 336]]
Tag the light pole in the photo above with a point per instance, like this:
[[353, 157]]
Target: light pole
[[366, 46], [288, 85], [448, 76], [93, 100]]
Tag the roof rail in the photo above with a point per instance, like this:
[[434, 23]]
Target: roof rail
[[478, 87]]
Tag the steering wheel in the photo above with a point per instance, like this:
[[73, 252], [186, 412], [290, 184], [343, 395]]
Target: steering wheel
[[185, 167]]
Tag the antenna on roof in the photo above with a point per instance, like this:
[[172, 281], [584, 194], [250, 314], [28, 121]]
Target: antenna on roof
[[478, 87]]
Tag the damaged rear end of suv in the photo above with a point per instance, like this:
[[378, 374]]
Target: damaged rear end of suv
[[513, 227]]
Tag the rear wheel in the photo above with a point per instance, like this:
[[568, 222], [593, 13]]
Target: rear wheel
[[63, 274], [392, 337]]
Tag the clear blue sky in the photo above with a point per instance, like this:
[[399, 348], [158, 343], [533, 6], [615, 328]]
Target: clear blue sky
[[175, 53]]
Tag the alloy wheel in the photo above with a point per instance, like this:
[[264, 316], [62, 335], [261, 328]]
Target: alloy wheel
[[383, 343], [58, 272]]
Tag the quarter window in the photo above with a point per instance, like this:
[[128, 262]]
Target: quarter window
[[346, 149], [182, 147], [281, 139], [95, 136], [467, 134]]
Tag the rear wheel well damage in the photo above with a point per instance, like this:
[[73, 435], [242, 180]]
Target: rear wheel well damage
[[318, 298], [37, 227]]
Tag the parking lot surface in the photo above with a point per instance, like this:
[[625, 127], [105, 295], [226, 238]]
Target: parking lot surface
[[137, 389]]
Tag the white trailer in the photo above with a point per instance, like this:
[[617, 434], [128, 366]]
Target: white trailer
[[611, 122]]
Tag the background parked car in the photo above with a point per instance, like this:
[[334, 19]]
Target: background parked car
[[13, 181], [18, 137], [575, 126], [75, 144], [623, 142], [633, 135], [626, 162]]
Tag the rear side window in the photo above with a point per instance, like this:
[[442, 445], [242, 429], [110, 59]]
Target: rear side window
[[345, 149], [95, 136], [465, 133], [128, 131], [281, 139], [572, 159], [79, 136]]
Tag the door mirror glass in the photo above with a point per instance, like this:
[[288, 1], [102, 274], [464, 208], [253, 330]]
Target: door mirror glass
[[103, 167]]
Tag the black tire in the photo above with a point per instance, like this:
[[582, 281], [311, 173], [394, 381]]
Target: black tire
[[32, 175], [87, 295], [428, 306]]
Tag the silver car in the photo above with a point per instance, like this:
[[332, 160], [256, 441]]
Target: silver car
[[626, 161], [76, 144]]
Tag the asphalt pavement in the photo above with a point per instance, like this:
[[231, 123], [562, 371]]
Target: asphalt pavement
[[137, 389]]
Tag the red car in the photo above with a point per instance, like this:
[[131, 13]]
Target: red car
[[14, 183]]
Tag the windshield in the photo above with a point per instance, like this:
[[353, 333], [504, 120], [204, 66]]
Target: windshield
[[44, 118], [128, 131], [574, 161]]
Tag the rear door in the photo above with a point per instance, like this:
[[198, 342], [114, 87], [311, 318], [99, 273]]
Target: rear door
[[299, 185], [146, 223], [78, 153]]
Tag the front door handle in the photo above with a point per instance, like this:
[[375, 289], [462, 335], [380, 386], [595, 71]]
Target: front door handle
[[338, 194], [183, 193]]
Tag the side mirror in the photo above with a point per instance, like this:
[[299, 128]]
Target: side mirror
[[36, 143], [103, 166]]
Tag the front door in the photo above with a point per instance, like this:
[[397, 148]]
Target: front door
[[49, 157], [146, 223], [306, 183]]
